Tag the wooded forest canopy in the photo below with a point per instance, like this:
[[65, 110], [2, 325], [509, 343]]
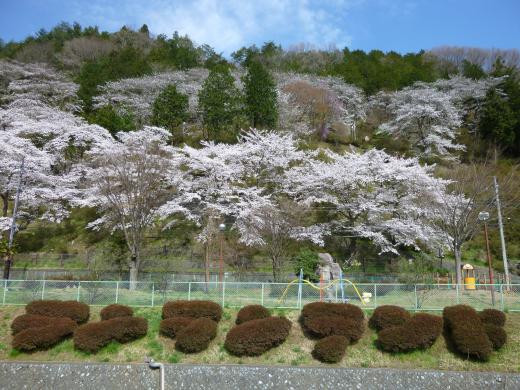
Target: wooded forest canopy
[[375, 156]]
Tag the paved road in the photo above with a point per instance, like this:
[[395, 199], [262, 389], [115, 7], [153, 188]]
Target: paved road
[[73, 376]]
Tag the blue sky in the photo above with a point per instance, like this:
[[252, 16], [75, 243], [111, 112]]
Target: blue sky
[[401, 25]]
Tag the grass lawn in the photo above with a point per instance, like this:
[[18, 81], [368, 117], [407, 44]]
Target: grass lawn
[[295, 351]]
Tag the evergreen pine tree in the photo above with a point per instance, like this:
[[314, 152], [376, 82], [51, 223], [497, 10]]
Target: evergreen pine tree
[[260, 96], [221, 105]]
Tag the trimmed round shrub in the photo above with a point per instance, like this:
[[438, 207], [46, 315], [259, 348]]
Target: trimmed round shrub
[[330, 349], [194, 309], [170, 327], [420, 332], [319, 309], [76, 311], [44, 337], [470, 340], [114, 311], [255, 337], [127, 329], [459, 314], [493, 317], [94, 336], [496, 334], [466, 332], [388, 316], [196, 336], [251, 312], [27, 321], [324, 326]]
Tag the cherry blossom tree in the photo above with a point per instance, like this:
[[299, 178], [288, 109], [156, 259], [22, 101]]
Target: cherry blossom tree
[[426, 118], [50, 141], [128, 180], [387, 200]]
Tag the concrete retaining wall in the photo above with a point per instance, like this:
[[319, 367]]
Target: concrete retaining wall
[[138, 376]]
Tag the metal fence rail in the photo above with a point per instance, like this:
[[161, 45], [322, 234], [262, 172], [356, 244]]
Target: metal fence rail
[[273, 295]]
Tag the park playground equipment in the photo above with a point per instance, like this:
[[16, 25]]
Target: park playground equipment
[[323, 287], [469, 277]]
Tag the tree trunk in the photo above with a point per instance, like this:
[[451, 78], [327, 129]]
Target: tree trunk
[[458, 264], [5, 203], [133, 272], [277, 269]]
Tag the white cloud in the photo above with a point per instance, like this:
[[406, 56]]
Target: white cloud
[[230, 24]]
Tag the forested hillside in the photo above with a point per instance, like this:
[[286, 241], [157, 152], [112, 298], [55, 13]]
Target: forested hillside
[[134, 144]]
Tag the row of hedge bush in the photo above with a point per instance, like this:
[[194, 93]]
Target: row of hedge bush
[[194, 325]]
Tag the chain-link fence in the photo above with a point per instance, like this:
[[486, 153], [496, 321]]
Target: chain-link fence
[[272, 295]]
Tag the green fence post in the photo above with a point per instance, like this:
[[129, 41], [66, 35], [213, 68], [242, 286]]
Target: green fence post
[[502, 296], [5, 291], [153, 292], [43, 289], [375, 295], [223, 293], [77, 295], [416, 302]]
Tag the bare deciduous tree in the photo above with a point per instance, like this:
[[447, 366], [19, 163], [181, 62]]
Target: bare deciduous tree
[[471, 192]]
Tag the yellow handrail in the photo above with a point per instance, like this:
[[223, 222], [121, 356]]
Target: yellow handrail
[[332, 283]]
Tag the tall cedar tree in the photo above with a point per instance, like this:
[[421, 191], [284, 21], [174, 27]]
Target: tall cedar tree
[[500, 120], [260, 96], [170, 110], [221, 104]]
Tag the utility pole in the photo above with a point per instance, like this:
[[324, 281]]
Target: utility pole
[[484, 216], [9, 260], [501, 230]]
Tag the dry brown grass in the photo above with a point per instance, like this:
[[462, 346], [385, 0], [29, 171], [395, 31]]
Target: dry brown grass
[[295, 351]]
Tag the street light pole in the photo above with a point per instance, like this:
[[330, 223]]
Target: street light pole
[[484, 216]]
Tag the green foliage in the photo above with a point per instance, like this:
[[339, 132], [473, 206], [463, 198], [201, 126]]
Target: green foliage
[[57, 36], [306, 260], [108, 118], [472, 71], [500, 118], [220, 103], [375, 71], [5, 251], [179, 51], [170, 110], [260, 96], [414, 269], [127, 62]]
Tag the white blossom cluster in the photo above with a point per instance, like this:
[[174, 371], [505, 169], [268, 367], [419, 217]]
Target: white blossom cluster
[[429, 115], [38, 82], [138, 94]]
